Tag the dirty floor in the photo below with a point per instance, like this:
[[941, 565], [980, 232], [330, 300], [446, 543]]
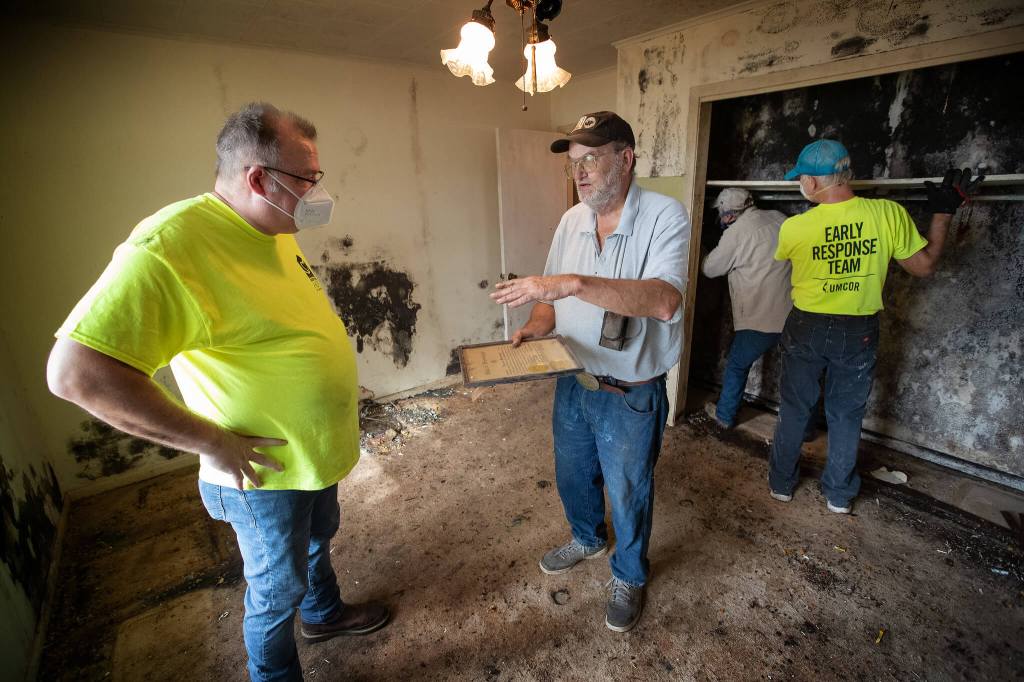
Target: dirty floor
[[451, 507]]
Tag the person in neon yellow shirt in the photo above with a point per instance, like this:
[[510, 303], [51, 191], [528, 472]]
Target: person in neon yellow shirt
[[840, 251], [216, 287]]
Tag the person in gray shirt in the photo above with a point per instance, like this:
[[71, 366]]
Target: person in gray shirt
[[613, 288], [758, 287]]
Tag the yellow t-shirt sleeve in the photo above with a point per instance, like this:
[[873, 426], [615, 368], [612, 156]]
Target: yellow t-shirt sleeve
[[138, 312], [906, 240]]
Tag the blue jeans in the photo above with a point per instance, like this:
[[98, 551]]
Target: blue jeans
[[747, 346], [285, 540], [845, 348], [604, 439]]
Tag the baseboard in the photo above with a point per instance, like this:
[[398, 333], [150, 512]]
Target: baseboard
[[433, 385]]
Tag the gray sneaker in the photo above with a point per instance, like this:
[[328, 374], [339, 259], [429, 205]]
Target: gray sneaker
[[624, 606], [561, 559]]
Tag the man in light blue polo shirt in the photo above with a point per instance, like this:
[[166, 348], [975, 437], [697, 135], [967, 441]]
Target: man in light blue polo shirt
[[613, 287]]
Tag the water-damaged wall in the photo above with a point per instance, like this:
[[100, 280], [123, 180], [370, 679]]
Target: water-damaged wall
[[30, 506], [949, 370], [656, 74]]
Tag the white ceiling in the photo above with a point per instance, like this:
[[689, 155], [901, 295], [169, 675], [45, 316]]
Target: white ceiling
[[401, 30]]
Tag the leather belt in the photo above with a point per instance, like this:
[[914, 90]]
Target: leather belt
[[609, 384]]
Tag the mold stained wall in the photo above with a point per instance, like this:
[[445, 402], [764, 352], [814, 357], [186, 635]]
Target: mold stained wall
[[956, 393], [102, 129], [30, 507], [948, 374], [655, 74]]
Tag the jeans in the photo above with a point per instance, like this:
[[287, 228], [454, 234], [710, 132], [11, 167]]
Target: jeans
[[747, 346], [604, 439], [285, 538], [845, 348]]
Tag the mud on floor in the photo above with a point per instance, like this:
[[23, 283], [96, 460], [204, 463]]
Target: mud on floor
[[447, 518]]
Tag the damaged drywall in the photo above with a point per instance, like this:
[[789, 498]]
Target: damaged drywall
[[771, 38], [949, 371]]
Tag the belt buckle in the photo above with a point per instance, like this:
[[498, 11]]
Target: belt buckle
[[588, 381]]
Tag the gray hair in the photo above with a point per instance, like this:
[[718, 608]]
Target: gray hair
[[842, 176], [251, 136], [619, 146]]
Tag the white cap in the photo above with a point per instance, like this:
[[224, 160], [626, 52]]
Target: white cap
[[733, 200]]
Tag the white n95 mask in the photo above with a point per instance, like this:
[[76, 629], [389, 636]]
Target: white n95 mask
[[313, 209]]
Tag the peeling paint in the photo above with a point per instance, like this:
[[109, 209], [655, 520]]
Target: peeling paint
[[28, 527]]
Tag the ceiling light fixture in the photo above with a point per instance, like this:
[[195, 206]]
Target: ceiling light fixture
[[542, 74]]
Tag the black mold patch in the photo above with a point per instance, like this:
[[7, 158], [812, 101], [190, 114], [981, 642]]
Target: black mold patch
[[375, 302], [28, 528], [641, 80], [106, 451], [994, 17], [765, 59], [851, 46], [483, 284], [454, 366]]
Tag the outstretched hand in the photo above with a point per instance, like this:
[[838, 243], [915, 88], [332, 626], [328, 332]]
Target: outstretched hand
[[523, 290], [956, 188], [233, 453]]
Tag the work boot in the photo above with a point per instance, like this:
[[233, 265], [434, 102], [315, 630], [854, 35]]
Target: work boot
[[711, 410], [625, 604], [561, 559], [354, 619]]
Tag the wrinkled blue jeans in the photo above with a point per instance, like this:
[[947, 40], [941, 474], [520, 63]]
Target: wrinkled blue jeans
[[604, 439], [285, 540], [845, 347], [747, 346]]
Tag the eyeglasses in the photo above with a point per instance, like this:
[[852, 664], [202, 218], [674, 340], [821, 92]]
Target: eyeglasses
[[317, 177], [587, 162]]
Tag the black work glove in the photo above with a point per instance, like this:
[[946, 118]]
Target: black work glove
[[956, 188]]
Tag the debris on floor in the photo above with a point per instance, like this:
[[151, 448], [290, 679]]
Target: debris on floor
[[894, 477]]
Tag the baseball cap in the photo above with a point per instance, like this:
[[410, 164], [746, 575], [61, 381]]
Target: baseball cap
[[596, 129], [733, 200], [822, 157]]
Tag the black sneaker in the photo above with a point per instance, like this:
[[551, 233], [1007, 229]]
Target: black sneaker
[[625, 604], [561, 559]]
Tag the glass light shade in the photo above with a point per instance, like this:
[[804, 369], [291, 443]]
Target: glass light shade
[[549, 75], [470, 57]]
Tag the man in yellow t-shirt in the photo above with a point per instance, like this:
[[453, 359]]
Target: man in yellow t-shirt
[[840, 252], [216, 287]]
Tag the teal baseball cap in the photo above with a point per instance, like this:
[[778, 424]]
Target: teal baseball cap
[[821, 157]]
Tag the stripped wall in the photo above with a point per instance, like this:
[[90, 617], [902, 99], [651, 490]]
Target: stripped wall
[[948, 373]]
